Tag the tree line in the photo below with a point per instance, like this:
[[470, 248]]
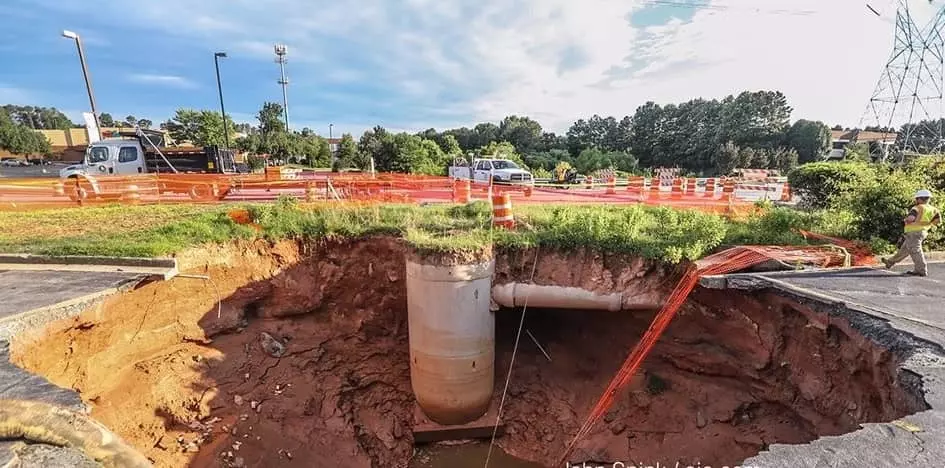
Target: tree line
[[752, 129], [700, 136]]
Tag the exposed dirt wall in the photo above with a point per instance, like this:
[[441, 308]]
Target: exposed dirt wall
[[305, 363]]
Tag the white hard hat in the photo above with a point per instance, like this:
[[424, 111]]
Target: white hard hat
[[923, 194]]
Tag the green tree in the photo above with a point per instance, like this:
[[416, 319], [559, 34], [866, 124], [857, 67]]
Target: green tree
[[485, 133], [729, 158], [22, 140], [811, 140], [106, 120], [378, 144], [522, 132], [785, 160], [347, 153], [503, 150], [451, 146], [430, 159], [145, 123], [248, 144], [271, 118], [38, 118], [644, 132], [200, 127], [131, 120]]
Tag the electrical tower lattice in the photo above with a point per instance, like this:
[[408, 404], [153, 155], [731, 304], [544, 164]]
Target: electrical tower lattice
[[909, 91]]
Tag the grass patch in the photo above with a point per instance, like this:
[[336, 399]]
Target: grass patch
[[136, 231], [652, 232]]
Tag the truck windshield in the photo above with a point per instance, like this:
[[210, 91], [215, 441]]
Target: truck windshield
[[504, 165], [97, 154]]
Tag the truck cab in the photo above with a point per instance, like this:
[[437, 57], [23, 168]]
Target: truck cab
[[113, 156]]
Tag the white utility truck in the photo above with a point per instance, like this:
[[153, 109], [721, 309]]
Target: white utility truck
[[139, 152], [500, 171]]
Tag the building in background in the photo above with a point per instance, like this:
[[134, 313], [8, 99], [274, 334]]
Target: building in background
[[879, 142]]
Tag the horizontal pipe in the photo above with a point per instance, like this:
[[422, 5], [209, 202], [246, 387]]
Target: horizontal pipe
[[554, 297]]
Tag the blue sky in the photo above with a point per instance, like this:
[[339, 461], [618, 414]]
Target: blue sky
[[414, 64]]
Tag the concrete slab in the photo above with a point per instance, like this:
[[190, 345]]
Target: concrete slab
[[32, 298], [900, 312], [426, 431], [165, 268]]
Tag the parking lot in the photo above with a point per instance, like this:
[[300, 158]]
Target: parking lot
[[50, 170]]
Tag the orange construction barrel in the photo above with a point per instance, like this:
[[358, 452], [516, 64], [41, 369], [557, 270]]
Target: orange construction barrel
[[502, 211]]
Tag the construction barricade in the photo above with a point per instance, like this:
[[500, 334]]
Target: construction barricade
[[502, 211]]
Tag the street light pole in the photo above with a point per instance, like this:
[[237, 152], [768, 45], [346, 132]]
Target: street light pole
[[85, 74], [226, 130], [330, 143]]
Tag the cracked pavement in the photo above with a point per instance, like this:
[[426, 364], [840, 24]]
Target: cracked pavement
[[904, 313]]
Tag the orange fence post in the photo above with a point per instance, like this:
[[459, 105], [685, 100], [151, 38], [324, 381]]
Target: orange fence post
[[635, 184], [59, 189], [589, 180], [710, 187], [311, 194], [502, 211], [612, 185], [132, 195], [786, 192], [655, 186]]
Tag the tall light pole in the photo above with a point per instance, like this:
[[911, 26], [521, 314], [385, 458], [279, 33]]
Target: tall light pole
[[330, 144], [281, 51], [85, 73], [226, 131]]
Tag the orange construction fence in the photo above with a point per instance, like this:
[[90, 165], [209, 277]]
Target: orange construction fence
[[24, 194]]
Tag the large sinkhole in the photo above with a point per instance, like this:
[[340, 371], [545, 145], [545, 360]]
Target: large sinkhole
[[296, 354]]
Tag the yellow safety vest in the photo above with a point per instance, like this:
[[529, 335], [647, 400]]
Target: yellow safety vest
[[926, 213]]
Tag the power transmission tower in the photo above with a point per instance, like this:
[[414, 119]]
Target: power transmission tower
[[909, 91]]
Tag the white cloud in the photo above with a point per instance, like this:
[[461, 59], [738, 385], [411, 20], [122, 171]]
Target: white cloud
[[826, 62], [554, 60], [164, 80]]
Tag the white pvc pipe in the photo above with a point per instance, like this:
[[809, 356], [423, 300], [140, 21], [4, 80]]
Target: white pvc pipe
[[554, 297]]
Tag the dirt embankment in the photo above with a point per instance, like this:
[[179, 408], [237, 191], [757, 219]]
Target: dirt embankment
[[306, 363]]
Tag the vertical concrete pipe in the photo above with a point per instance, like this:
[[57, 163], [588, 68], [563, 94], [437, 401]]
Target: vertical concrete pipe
[[452, 339]]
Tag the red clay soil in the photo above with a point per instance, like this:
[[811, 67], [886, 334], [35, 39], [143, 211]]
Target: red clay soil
[[189, 388], [162, 371], [725, 381]]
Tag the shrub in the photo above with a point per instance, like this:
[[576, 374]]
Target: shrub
[[780, 226], [822, 184], [541, 173]]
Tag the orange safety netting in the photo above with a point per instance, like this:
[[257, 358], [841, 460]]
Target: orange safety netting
[[728, 261], [22, 194]]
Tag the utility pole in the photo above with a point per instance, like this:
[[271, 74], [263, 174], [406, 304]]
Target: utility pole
[[226, 130], [85, 73], [281, 51], [330, 144]]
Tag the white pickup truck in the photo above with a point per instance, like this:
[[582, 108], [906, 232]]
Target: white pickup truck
[[501, 171]]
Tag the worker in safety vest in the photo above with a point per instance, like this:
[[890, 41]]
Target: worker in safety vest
[[922, 217]]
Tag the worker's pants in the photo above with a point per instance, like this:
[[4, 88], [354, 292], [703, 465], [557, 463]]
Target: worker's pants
[[912, 247]]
